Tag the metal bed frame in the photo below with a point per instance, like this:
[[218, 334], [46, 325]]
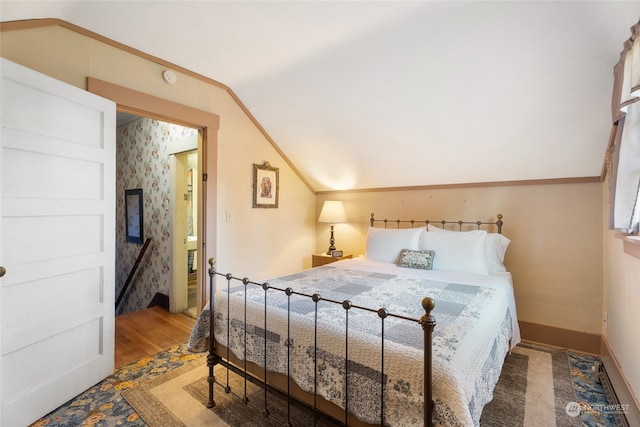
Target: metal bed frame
[[427, 321]]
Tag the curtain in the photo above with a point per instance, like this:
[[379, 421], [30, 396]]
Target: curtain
[[625, 173], [611, 167]]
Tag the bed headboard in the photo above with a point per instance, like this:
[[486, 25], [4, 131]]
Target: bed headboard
[[452, 224]]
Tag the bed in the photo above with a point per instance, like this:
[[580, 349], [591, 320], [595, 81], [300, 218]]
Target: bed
[[345, 338]]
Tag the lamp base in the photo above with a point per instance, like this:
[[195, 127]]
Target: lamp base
[[332, 242]]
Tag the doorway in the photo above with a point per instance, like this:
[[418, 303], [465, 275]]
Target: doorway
[[165, 171], [134, 102], [186, 253]]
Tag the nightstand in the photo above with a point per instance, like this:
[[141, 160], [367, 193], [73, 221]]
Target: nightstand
[[318, 260]]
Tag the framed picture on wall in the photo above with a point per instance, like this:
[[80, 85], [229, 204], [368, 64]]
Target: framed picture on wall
[[133, 215], [266, 186]]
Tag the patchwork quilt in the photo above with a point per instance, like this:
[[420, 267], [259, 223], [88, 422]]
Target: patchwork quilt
[[475, 324]]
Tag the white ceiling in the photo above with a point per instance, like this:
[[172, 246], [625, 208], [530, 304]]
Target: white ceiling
[[368, 94]]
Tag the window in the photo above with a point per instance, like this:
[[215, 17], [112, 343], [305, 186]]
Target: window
[[625, 173]]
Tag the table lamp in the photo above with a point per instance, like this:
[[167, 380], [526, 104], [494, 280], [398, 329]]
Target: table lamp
[[332, 213]]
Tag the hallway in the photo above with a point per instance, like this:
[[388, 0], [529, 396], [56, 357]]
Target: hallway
[[147, 332]]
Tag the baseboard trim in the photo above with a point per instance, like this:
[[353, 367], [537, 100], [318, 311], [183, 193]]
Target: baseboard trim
[[623, 393], [575, 340]]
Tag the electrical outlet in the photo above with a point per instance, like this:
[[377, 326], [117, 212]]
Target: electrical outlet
[[605, 320], [228, 216]]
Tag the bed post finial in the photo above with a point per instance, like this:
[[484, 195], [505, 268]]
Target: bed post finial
[[499, 223], [428, 322], [371, 220], [428, 304]]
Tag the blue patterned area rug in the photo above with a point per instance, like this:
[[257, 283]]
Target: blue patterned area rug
[[592, 397], [105, 403]]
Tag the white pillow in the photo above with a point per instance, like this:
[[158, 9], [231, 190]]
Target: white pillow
[[457, 251], [495, 248], [385, 244]]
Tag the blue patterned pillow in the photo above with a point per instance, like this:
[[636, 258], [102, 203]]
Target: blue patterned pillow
[[416, 259]]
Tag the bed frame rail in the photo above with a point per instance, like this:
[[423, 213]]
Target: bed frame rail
[[413, 223], [427, 321]]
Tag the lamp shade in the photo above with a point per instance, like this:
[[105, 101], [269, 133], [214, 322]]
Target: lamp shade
[[332, 212]]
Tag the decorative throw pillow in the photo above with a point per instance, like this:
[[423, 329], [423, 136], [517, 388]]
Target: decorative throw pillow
[[416, 259]]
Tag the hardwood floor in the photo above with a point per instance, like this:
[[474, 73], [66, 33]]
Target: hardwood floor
[[147, 332]]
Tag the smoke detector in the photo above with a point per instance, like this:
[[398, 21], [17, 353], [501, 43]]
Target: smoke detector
[[169, 76]]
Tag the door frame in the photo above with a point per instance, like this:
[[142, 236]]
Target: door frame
[[179, 300], [142, 104]]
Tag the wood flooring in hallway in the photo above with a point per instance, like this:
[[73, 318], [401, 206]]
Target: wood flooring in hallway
[[147, 332]]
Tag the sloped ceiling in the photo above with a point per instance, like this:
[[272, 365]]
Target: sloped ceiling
[[390, 93]]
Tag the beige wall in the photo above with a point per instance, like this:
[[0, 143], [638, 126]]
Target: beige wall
[[256, 242], [555, 255], [621, 298]]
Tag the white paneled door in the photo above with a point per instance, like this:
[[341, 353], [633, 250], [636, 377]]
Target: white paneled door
[[57, 240]]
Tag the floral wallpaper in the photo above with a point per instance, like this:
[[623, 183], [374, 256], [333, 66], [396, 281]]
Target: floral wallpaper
[[142, 162]]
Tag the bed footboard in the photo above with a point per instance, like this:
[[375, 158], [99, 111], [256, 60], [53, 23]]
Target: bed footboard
[[427, 321]]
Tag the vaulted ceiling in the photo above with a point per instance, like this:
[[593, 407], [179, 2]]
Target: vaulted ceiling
[[370, 94]]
